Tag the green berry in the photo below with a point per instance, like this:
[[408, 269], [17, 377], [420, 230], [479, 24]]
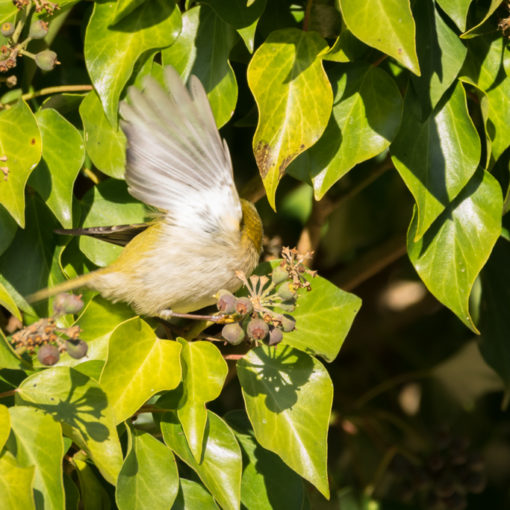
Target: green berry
[[288, 323], [46, 60], [286, 291], [67, 303], [38, 29], [275, 336], [244, 306], [257, 329], [48, 354], [7, 29], [279, 275], [226, 301], [233, 333], [76, 348]]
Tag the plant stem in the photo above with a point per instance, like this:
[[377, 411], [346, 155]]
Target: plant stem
[[55, 90], [6, 394]]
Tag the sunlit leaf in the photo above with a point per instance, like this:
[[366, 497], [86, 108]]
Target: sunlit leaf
[[15, 484]]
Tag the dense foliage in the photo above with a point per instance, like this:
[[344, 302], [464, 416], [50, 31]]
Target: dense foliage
[[359, 122]]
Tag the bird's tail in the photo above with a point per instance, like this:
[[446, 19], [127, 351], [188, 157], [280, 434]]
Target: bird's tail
[[75, 283]]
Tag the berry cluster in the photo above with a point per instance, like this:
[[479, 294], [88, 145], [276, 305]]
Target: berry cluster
[[260, 316], [50, 340], [442, 480]]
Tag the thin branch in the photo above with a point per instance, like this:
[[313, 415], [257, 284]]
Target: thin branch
[[308, 12], [54, 90], [9, 393]]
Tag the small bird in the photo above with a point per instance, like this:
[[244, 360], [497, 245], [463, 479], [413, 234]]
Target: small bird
[[202, 232]]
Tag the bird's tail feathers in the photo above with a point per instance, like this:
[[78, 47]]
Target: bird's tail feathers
[[75, 283]]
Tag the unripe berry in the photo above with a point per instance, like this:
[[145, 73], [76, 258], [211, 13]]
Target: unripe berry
[[67, 303], [76, 348], [279, 275], [46, 60], [257, 329], [48, 354], [38, 29], [286, 291], [275, 336], [233, 333], [7, 29], [244, 306], [226, 301], [288, 323]]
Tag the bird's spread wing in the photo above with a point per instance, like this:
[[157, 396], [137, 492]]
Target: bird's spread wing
[[118, 234], [176, 160]]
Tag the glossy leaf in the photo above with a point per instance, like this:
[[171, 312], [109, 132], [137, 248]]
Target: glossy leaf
[[203, 49], [8, 358], [38, 443], [149, 474], [81, 406], [192, 496], [8, 303], [154, 24], [8, 229], [93, 493], [288, 396], [440, 53], [203, 373], [108, 203], [267, 482], [125, 7], [436, 157], [243, 17], [457, 11], [387, 26], [139, 365], [451, 254], [62, 157], [15, 484], [294, 100], [365, 118], [478, 28], [106, 145], [5, 425], [20, 144], [8, 11], [221, 466]]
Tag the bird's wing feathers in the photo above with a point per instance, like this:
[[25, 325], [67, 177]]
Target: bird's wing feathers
[[117, 234], [176, 160]]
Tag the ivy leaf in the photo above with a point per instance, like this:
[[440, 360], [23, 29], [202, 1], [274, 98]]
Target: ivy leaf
[[294, 100], [477, 29], [436, 157], [149, 473], [5, 425], [451, 254], [139, 365], [279, 386], [111, 49], [221, 465], [20, 144], [8, 303], [8, 229], [366, 116], [203, 374], [440, 53], [38, 442], [93, 492], [8, 358], [387, 26], [457, 11], [203, 49], [106, 145], [81, 406], [15, 484], [62, 157], [192, 496]]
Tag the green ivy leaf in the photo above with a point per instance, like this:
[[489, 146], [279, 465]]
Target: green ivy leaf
[[267, 482], [149, 474], [8, 358], [20, 143], [243, 17], [387, 26], [62, 157], [106, 204], [125, 7], [106, 145], [440, 53], [38, 442], [8, 303], [192, 496], [346, 48], [288, 396], [450, 255], [203, 374], [221, 466], [111, 50], [5, 425], [93, 494], [81, 406], [294, 100], [8, 229], [457, 11], [436, 157], [366, 116], [8, 11], [15, 484], [139, 365], [203, 49], [478, 28]]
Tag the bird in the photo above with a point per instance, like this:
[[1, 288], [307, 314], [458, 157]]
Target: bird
[[202, 232]]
